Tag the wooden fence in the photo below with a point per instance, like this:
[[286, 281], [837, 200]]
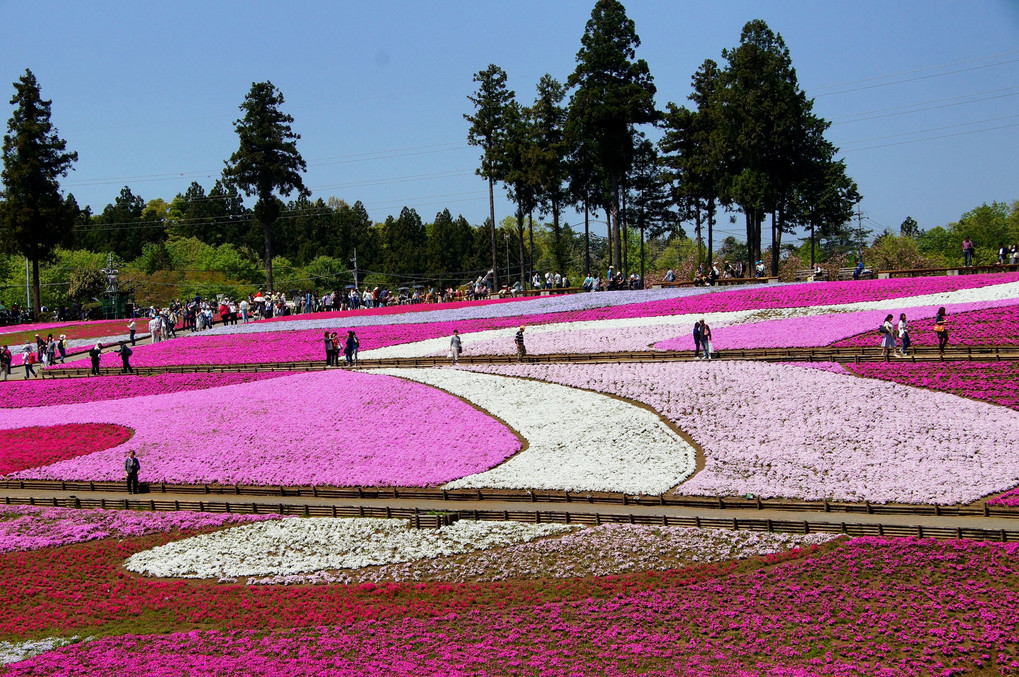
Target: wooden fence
[[423, 519], [453, 496]]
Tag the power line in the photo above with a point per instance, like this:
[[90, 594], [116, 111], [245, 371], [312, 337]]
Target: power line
[[903, 110], [932, 138], [935, 129], [919, 70]]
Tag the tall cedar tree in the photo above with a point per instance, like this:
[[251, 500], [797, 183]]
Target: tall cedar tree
[[521, 178], [550, 155], [651, 203], [34, 216], [267, 161], [692, 152], [613, 93], [489, 130]]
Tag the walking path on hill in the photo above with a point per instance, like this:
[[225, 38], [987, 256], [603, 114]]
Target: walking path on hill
[[427, 511]]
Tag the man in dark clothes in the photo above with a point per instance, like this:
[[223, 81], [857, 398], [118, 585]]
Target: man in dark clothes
[[131, 467]]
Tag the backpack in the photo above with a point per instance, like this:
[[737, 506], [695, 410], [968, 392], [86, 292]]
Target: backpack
[[126, 351]]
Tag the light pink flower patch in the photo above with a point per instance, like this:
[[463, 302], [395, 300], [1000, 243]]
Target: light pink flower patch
[[322, 428]]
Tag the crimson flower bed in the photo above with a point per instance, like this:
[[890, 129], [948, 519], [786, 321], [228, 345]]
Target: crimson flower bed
[[994, 382], [23, 448], [987, 327]]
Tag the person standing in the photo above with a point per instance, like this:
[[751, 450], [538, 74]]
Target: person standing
[[62, 347], [94, 353], [967, 252], [519, 341], [697, 340], [131, 329], [51, 351], [888, 337], [941, 331], [329, 349], [350, 345], [131, 468], [244, 310], [904, 334], [706, 340], [455, 347], [5, 361], [125, 356]]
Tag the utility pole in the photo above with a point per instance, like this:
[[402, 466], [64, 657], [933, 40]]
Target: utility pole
[[28, 295], [354, 261], [859, 229]]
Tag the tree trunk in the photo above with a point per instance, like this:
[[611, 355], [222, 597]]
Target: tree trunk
[[557, 240], [491, 214], [587, 243], [811, 248], [711, 230], [775, 238], [642, 255], [697, 235], [36, 302], [267, 229], [614, 222], [530, 229], [520, 232], [748, 214], [623, 233]]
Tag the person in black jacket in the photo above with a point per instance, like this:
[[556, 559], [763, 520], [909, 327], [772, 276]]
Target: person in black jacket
[[95, 352], [131, 467]]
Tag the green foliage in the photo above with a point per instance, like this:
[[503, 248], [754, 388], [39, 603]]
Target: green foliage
[[909, 228], [86, 283], [896, 252]]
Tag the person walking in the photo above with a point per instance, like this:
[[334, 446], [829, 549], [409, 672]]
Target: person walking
[[131, 329], [941, 331], [519, 341], [131, 468], [62, 347], [697, 340], [29, 359], [94, 353], [706, 340], [904, 334], [455, 347], [967, 251], [125, 356], [888, 338]]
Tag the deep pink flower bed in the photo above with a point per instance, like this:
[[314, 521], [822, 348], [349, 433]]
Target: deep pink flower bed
[[302, 345], [874, 607], [335, 427], [394, 310], [41, 445], [798, 296], [994, 382], [986, 327], [44, 393]]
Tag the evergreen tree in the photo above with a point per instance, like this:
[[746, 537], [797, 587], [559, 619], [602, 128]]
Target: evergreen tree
[[521, 178], [613, 93], [35, 217], [549, 160], [489, 130], [651, 203], [267, 161]]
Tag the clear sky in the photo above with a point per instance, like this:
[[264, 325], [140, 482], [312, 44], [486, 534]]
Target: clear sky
[[923, 94]]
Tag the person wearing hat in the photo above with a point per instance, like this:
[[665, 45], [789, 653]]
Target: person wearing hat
[[62, 347], [519, 340]]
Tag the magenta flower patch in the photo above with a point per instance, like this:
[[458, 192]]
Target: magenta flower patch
[[323, 428], [32, 447]]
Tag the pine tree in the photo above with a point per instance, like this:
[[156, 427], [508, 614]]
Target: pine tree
[[614, 92], [489, 130], [34, 216], [267, 161]]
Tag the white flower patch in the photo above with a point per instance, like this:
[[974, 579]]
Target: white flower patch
[[12, 652], [302, 546], [606, 550], [578, 440]]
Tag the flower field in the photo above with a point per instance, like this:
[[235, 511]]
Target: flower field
[[95, 592]]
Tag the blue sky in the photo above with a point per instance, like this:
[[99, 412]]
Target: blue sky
[[923, 95]]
